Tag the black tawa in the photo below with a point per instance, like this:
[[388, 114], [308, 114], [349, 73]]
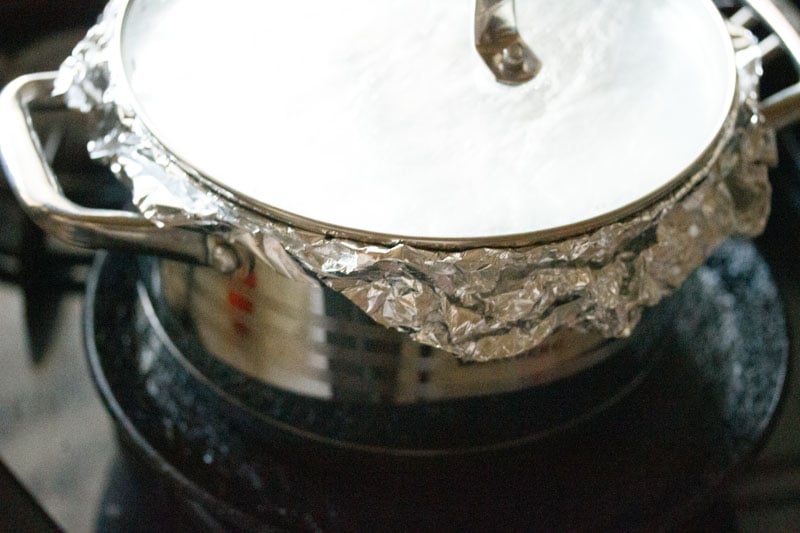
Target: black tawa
[[654, 458]]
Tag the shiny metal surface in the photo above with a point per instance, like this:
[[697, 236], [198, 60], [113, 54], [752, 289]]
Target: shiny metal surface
[[500, 45], [782, 108], [309, 340]]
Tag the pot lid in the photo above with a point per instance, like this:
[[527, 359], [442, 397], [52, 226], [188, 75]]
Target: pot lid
[[380, 116]]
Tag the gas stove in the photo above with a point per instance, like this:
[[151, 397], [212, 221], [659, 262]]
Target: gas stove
[[705, 435]]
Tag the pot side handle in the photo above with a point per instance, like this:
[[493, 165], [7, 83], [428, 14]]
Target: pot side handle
[[37, 189], [782, 108]]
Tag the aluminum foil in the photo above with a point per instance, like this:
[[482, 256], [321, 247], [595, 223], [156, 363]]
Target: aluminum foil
[[480, 304]]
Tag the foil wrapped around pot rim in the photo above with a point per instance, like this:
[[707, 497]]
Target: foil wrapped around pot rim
[[483, 303]]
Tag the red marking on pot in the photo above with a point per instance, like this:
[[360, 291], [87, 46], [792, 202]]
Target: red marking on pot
[[240, 302]]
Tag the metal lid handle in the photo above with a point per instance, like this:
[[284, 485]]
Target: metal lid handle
[[500, 44]]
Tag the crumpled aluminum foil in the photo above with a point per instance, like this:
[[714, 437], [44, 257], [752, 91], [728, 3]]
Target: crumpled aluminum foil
[[480, 304]]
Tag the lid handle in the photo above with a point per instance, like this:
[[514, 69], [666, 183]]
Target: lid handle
[[500, 45]]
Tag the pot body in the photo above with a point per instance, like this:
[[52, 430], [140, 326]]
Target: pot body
[[309, 339], [302, 359]]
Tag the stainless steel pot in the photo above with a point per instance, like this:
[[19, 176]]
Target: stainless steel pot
[[551, 279], [312, 341], [315, 368]]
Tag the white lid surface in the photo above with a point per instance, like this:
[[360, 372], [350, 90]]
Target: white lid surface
[[380, 116]]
